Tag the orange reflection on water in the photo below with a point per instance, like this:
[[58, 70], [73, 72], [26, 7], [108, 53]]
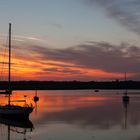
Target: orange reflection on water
[[54, 102], [16, 100], [61, 103]]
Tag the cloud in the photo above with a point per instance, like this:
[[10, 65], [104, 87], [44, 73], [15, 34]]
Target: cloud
[[62, 70], [95, 55], [126, 12], [87, 61], [21, 38], [27, 38], [55, 24]]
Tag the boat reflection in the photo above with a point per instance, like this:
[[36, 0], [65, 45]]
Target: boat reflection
[[36, 99], [17, 126], [125, 104]]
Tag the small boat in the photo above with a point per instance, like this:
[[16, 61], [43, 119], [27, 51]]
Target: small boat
[[10, 110], [96, 90], [125, 97]]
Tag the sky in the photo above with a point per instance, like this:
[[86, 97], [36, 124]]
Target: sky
[[71, 39]]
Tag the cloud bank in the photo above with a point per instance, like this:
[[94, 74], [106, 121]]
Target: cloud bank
[[126, 12], [93, 55]]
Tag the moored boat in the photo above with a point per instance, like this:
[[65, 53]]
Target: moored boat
[[10, 110]]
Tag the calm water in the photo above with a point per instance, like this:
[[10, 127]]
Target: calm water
[[78, 115]]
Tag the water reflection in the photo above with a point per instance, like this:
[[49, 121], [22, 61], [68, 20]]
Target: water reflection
[[95, 115], [21, 127], [36, 99], [83, 115], [100, 111], [125, 103]]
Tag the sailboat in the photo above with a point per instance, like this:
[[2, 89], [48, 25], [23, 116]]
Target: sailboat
[[10, 110], [125, 97]]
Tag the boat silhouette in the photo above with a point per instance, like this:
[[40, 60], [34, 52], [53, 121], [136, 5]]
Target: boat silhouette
[[11, 110], [125, 97]]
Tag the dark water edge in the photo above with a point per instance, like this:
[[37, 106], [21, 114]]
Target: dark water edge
[[70, 85]]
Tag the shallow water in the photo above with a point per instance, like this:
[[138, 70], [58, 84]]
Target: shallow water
[[78, 115]]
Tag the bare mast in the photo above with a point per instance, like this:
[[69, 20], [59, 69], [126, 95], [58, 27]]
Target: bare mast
[[9, 67]]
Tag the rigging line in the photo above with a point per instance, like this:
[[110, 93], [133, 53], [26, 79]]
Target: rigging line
[[3, 59], [3, 66]]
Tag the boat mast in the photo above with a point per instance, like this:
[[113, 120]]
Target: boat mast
[[125, 84], [9, 68]]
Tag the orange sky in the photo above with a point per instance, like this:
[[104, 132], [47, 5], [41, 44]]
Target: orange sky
[[76, 40], [38, 62], [27, 69]]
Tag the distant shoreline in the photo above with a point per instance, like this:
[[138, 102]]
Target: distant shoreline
[[70, 85]]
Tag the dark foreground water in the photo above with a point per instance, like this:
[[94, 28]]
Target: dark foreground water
[[77, 115]]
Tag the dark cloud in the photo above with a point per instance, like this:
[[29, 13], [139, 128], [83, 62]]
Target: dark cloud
[[62, 70], [126, 12], [60, 65], [93, 55], [96, 55]]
